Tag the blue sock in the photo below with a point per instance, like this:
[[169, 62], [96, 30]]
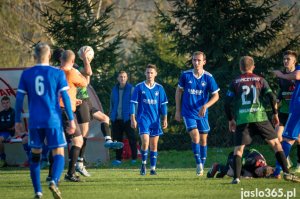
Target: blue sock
[[203, 154], [144, 156], [45, 152], [26, 149], [35, 172], [196, 151], [57, 167], [286, 149], [153, 159]]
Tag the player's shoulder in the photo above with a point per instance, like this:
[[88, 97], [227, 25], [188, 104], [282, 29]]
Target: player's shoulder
[[186, 72], [159, 85], [207, 73], [139, 84]]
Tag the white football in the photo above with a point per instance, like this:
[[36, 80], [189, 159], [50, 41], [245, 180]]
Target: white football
[[90, 52]]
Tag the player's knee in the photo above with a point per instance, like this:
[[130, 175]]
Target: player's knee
[[35, 157], [203, 142], [1, 139], [78, 141]]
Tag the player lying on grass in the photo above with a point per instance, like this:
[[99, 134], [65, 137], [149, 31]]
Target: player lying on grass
[[253, 165]]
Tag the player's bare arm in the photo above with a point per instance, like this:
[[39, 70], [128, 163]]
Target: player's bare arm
[[72, 127], [289, 76], [215, 97], [178, 96], [133, 121], [165, 122]]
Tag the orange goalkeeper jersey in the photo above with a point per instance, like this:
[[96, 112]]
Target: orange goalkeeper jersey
[[75, 79]]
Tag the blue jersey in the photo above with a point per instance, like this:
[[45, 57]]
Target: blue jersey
[[196, 92], [149, 101], [295, 102], [42, 84]]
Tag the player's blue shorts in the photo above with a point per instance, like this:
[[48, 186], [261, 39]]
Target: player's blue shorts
[[151, 130], [201, 124], [292, 127], [5, 135], [55, 137]]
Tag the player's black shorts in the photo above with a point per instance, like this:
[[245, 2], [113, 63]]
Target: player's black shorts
[[65, 122], [85, 111], [283, 117], [245, 132]]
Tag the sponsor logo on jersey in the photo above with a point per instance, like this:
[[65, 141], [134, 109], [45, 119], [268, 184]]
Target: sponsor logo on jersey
[[195, 91], [150, 101]]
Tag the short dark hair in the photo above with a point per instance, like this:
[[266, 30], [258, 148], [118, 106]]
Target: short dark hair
[[151, 66], [5, 98], [246, 62], [290, 52], [57, 54], [199, 53]]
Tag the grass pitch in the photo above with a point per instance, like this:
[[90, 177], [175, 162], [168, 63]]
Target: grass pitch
[[176, 179]]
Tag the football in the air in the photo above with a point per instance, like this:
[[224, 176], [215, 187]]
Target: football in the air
[[90, 52]]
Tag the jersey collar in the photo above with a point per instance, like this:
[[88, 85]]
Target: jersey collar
[[149, 86]]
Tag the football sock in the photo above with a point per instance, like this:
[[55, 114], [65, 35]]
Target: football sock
[[144, 156], [153, 159], [281, 162], [74, 153], [281, 157], [196, 151], [105, 129], [203, 154], [35, 171], [237, 166], [58, 167], [298, 153], [50, 157], [45, 152], [82, 150], [26, 149]]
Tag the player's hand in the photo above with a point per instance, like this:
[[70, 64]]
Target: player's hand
[[277, 73], [178, 116], [232, 125], [164, 123], [202, 111], [84, 53], [18, 127], [133, 123], [72, 127], [275, 120], [78, 102]]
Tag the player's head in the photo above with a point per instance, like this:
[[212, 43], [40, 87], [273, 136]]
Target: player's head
[[264, 171], [5, 102], [198, 59], [42, 53], [67, 57], [246, 64], [122, 77], [57, 55], [151, 72], [290, 59]]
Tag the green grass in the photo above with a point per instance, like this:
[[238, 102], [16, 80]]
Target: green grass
[[176, 179]]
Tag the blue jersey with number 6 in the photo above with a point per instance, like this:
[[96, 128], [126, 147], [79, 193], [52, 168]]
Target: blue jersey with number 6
[[43, 84]]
